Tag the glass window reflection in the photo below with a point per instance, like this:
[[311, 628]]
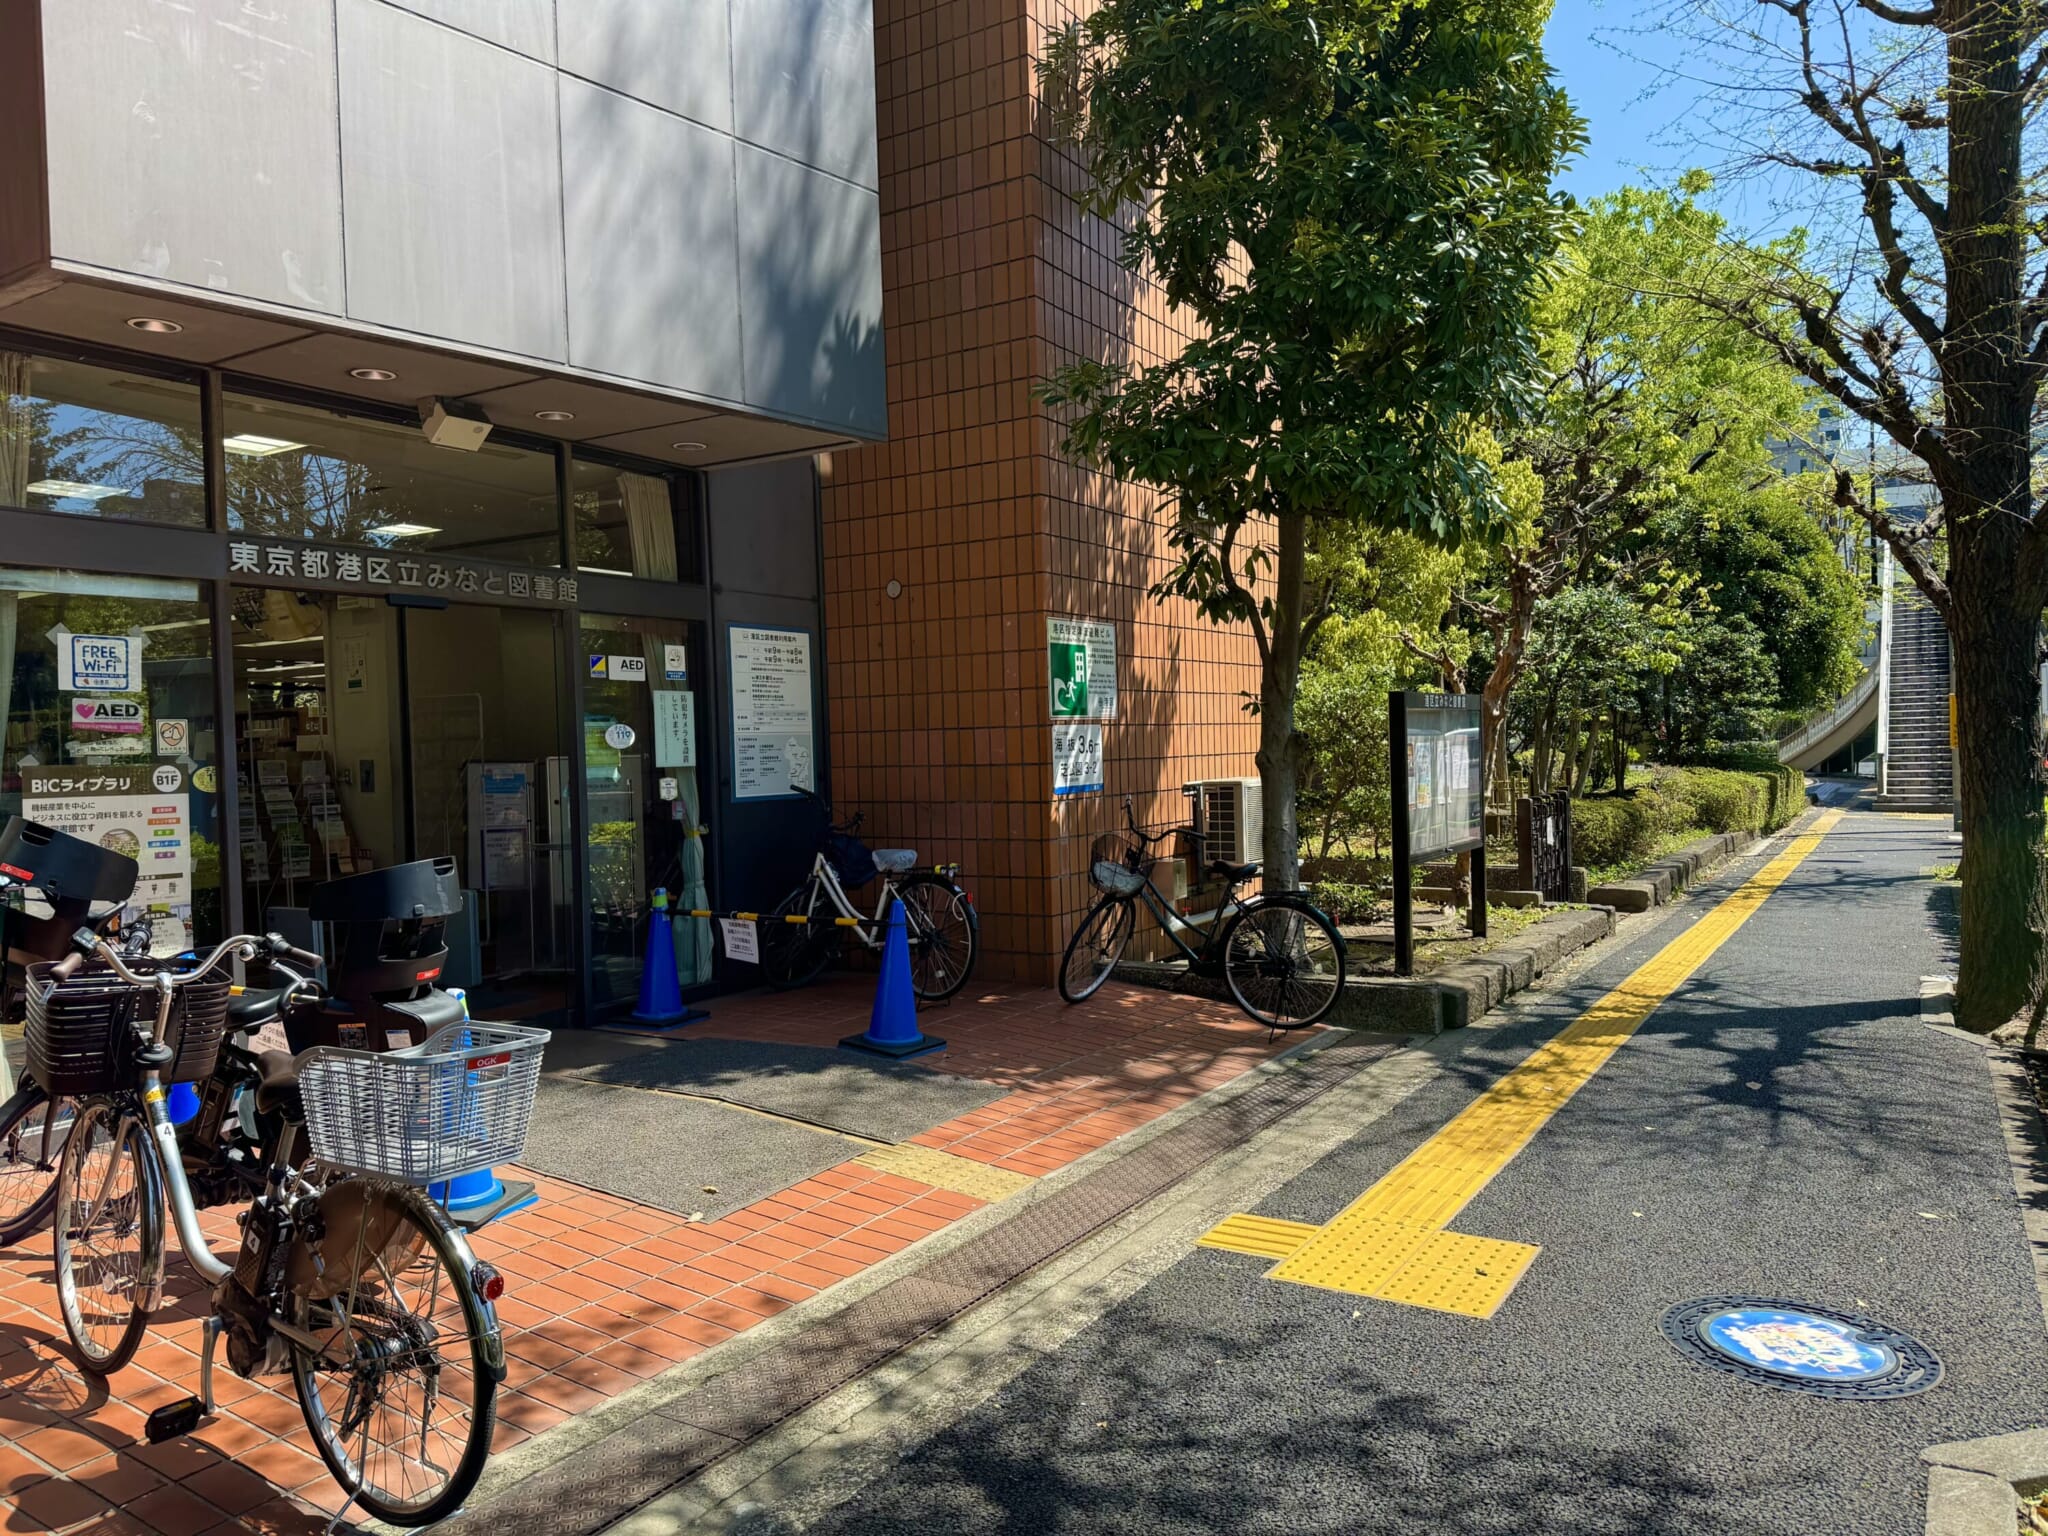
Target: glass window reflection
[[99, 442]]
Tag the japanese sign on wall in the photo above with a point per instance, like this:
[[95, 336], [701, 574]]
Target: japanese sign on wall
[[1081, 667], [773, 745], [675, 728], [1446, 785], [137, 810], [1076, 757], [390, 572], [97, 663]]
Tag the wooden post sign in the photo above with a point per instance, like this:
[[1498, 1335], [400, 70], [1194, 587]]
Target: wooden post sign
[[1439, 790]]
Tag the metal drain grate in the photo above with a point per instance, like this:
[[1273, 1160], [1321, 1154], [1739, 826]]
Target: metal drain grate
[[715, 1418], [1799, 1348]]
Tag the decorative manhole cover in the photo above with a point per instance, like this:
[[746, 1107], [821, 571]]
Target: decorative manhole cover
[[1800, 1348]]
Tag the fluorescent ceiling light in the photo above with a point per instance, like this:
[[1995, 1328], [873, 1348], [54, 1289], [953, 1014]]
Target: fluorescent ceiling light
[[405, 530], [251, 446], [76, 490]]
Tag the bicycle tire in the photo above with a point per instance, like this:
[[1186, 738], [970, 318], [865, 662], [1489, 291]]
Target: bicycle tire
[[114, 1286], [28, 1161], [950, 927], [1095, 948], [1298, 959], [362, 1205], [795, 954]]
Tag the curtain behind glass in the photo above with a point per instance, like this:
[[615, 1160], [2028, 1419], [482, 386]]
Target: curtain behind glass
[[650, 524]]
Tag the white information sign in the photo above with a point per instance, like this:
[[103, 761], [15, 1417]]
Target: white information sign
[[619, 735], [675, 663], [742, 940], [1446, 805], [675, 728], [140, 811], [173, 737], [627, 669], [98, 663], [773, 745], [1076, 757], [1081, 668]]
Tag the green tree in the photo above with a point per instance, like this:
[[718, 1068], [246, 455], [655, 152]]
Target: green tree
[[1350, 200], [1653, 401], [1914, 130]]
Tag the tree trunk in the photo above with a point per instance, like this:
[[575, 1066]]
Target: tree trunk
[[1999, 749], [1279, 681], [1618, 747]]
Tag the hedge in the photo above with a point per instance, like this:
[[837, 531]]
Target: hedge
[[1610, 830]]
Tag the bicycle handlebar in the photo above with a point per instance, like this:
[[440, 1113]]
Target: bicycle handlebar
[[826, 805], [1131, 825], [244, 946]]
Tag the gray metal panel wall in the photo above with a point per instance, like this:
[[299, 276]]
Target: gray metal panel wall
[[217, 146], [764, 557], [195, 143]]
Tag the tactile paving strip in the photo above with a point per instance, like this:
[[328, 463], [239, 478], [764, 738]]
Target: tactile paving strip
[[945, 1170], [1391, 1243], [724, 1412]]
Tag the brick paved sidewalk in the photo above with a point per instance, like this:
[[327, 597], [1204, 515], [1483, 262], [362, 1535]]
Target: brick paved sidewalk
[[606, 1293]]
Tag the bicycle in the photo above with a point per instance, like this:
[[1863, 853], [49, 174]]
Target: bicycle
[[1281, 958], [348, 1278], [802, 931]]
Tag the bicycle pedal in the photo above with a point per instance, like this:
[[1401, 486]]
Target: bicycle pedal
[[173, 1420]]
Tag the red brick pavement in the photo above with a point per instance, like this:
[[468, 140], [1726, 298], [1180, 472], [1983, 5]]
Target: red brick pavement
[[604, 1293]]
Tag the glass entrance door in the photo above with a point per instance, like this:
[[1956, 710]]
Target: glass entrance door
[[644, 736], [483, 704]]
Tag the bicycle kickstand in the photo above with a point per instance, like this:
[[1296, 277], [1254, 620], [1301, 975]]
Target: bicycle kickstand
[[183, 1416]]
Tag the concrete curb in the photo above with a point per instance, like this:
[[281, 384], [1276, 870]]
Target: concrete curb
[[1974, 1486], [1661, 881]]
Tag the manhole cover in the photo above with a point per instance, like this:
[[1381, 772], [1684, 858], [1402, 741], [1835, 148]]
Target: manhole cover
[[1799, 1348]]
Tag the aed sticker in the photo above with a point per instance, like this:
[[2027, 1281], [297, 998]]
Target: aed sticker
[[627, 669]]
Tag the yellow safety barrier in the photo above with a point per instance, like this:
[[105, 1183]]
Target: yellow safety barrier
[[795, 918]]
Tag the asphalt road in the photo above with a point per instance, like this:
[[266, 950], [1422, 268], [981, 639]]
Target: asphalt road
[[1783, 1125]]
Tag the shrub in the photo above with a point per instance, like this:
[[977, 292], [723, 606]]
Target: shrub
[[1613, 830]]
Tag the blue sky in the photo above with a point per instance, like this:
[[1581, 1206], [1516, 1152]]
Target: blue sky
[[1605, 63]]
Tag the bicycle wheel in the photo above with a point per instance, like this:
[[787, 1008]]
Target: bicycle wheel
[[401, 1400], [1284, 962], [109, 1221], [944, 932], [1095, 948], [31, 1140], [794, 954]]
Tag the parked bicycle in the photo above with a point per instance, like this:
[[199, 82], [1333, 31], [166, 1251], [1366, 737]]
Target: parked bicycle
[[1282, 959], [801, 936], [349, 1278]]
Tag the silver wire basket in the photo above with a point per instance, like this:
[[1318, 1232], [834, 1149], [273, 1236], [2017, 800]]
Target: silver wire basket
[[456, 1104]]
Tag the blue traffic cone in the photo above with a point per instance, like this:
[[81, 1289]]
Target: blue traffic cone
[[480, 1196], [661, 994], [892, 1027], [183, 1103]]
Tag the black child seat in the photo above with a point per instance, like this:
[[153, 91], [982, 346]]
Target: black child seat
[[70, 874], [388, 928]]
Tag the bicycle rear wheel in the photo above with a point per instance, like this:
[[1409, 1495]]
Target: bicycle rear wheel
[[109, 1222], [1284, 962], [401, 1400], [31, 1140], [795, 954], [944, 935], [1095, 948]]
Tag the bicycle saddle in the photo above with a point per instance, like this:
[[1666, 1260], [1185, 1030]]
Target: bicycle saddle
[[1233, 872], [895, 861], [279, 1089]]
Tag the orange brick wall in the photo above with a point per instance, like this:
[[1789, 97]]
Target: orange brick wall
[[992, 278]]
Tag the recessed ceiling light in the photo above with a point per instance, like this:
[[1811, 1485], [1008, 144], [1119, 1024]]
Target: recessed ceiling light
[[74, 490], [251, 445], [155, 326], [405, 530], [554, 415], [687, 447], [372, 375]]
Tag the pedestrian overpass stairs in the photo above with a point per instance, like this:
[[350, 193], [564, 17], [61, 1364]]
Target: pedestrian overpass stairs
[[1907, 682]]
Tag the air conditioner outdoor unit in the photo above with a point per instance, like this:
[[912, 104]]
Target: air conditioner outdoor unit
[[1232, 823]]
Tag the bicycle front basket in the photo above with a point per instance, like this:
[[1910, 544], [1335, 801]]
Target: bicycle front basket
[[81, 1029], [459, 1103], [1117, 865]]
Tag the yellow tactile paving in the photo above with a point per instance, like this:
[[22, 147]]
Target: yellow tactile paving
[[1392, 1243], [1265, 1237], [943, 1170]]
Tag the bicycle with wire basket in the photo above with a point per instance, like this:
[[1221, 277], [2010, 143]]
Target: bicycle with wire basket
[[800, 937], [1281, 958], [349, 1278]]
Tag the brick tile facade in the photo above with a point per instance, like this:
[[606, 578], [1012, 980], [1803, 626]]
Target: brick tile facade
[[992, 279]]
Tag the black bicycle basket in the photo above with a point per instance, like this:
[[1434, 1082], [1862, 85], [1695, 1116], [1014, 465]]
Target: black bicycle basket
[[849, 858], [82, 1030]]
